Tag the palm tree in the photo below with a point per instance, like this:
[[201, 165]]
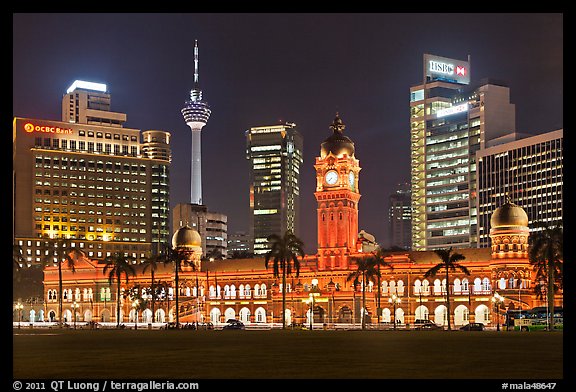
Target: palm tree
[[57, 251], [152, 264], [449, 263], [180, 257], [117, 265], [546, 254], [378, 259], [284, 254], [366, 268]]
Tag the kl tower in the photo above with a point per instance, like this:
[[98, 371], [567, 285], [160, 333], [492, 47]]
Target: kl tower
[[196, 113]]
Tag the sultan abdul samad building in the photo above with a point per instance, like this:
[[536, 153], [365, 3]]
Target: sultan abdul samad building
[[246, 290]]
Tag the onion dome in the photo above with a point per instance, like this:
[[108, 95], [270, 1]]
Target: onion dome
[[509, 214], [337, 143], [186, 237]]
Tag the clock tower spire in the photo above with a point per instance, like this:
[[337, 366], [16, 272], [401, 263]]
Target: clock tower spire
[[337, 195]]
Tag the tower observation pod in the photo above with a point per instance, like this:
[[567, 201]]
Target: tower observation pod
[[196, 113]]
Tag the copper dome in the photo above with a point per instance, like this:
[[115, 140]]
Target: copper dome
[[337, 143], [509, 214], [186, 237]]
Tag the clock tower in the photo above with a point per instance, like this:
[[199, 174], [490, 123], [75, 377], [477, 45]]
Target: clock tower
[[337, 195]]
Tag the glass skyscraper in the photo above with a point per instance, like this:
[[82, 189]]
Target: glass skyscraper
[[275, 155]]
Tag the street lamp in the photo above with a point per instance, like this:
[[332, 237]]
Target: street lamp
[[74, 307], [497, 299], [314, 292], [395, 300], [135, 306], [19, 308]]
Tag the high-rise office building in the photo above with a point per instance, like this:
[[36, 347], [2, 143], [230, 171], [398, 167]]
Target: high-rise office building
[[529, 171], [97, 185], [196, 113], [239, 243], [400, 217], [212, 227], [451, 119], [275, 155]]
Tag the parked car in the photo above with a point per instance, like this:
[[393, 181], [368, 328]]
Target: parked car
[[472, 327], [426, 325], [234, 325]]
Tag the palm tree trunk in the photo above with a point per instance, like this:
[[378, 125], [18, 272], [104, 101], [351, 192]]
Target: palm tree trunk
[[177, 292], [118, 299], [284, 296], [378, 300], [448, 298], [550, 292], [153, 296], [60, 298], [363, 310]]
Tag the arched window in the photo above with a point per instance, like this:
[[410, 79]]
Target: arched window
[[437, 287], [400, 288], [215, 315], [502, 284], [460, 315], [65, 295], [245, 315], [392, 287], [212, 291], [77, 294], [256, 290], [386, 315], [241, 290], [421, 313], [263, 290], [477, 285], [226, 291], [187, 291], [384, 287], [370, 286], [425, 287], [229, 313], [482, 314], [457, 286], [232, 291], [441, 315], [247, 291], [260, 315], [90, 295], [511, 282], [417, 287], [218, 289], [465, 285], [399, 316], [486, 286], [85, 295], [443, 286]]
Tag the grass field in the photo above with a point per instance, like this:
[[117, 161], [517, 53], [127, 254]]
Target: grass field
[[189, 354]]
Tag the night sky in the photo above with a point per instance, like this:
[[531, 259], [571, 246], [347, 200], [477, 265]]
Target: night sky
[[258, 69]]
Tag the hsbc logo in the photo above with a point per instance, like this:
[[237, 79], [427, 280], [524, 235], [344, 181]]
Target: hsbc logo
[[439, 67]]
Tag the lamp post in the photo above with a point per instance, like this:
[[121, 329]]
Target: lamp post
[[19, 308], [395, 300], [135, 307], [74, 307], [497, 299], [314, 292]]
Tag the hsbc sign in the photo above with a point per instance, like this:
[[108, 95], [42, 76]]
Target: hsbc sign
[[442, 68]]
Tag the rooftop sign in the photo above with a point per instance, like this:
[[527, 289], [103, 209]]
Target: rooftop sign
[[443, 68], [87, 86]]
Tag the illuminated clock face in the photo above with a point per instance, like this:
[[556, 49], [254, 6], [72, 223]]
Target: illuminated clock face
[[351, 179], [331, 177]]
